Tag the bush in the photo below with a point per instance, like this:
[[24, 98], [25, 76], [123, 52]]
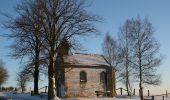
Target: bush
[[3, 73]]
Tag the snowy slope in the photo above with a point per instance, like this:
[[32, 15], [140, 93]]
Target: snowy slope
[[27, 96]]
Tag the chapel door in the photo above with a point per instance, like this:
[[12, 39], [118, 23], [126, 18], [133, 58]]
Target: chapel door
[[60, 87]]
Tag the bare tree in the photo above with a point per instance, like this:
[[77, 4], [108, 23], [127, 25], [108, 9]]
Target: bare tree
[[22, 78], [26, 33], [126, 46], [111, 51], [55, 21], [63, 20], [3, 73], [112, 54], [146, 54]]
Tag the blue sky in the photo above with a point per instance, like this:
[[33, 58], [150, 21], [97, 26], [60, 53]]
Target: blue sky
[[114, 12]]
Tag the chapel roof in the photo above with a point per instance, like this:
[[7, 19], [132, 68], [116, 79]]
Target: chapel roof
[[83, 59]]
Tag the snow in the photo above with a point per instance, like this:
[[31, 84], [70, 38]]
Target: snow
[[23, 96], [85, 59], [27, 96]]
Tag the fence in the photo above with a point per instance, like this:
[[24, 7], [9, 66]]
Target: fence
[[146, 97], [158, 97], [45, 87], [43, 90], [122, 90]]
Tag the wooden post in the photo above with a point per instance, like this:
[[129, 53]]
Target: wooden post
[[163, 98], [45, 88], [121, 91], [152, 97], [166, 94], [134, 92], [148, 93]]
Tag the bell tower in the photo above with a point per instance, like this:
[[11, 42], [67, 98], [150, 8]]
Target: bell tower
[[64, 47]]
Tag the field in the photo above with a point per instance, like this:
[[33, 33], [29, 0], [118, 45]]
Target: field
[[27, 96]]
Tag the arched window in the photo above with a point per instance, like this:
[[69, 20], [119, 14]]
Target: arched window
[[103, 77], [83, 77]]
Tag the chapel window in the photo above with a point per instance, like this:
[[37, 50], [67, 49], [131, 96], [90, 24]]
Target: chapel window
[[103, 77], [83, 77]]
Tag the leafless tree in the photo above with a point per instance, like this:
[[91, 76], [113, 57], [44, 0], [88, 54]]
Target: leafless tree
[[111, 51], [112, 54], [146, 53], [3, 73], [26, 33], [126, 46], [22, 78], [63, 20], [53, 21], [60, 19]]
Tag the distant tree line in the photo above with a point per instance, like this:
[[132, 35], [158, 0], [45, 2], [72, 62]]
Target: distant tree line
[[135, 55], [12, 89]]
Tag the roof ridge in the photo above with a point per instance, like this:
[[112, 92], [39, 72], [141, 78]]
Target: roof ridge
[[92, 54]]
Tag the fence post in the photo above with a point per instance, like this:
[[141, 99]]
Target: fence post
[[45, 88], [134, 92], [152, 97], [166, 94], [148, 93], [121, 91]]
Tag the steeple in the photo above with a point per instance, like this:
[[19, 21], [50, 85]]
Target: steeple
[[64, 47]]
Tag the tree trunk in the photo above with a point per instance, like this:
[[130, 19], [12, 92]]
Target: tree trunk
[[36, 77], [127, 83], [141, 92], [140, 75], [127, 71], [22, 89], [140, 86], [37, 64], [51, 78]]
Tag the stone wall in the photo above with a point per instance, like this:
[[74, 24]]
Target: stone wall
[[73, 87]]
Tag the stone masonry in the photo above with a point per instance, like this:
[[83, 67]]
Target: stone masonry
[[75, 89]]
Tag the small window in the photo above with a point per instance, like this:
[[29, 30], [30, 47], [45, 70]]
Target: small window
[[103, 77], [83, 77]]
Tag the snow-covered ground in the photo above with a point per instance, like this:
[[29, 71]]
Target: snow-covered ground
[[27, 96], [21, 96]]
